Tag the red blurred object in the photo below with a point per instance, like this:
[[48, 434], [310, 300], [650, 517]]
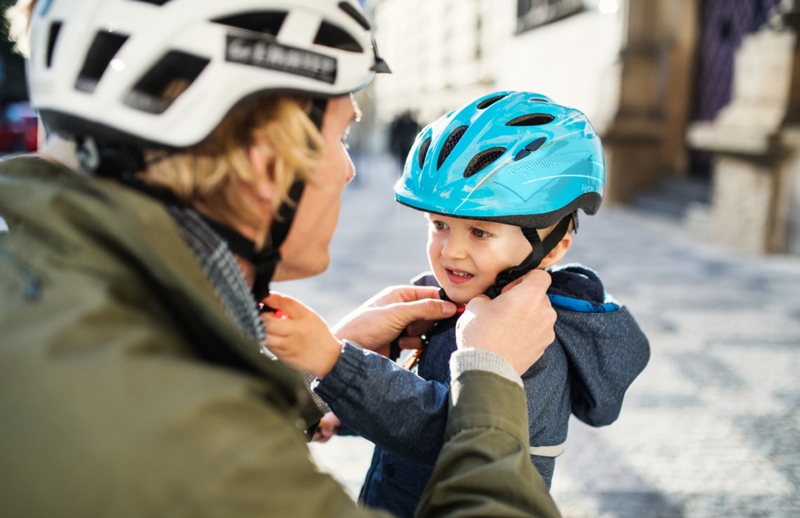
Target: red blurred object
[[19, 129]]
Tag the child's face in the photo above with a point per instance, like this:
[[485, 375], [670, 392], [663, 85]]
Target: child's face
[[467, 254]]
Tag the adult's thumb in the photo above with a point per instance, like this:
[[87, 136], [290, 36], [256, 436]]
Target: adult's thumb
[[427, 309]]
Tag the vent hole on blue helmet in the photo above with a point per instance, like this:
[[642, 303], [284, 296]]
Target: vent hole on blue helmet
[[488, 102], [332, 36], [165, 82], [483, 159], [103, 49], [354, 14], [423, 150], [531, 119], [51, 42], [450, 143], [265, 22], [538, 100]]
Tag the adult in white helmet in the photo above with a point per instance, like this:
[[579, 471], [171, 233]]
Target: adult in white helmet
[[194, 154]]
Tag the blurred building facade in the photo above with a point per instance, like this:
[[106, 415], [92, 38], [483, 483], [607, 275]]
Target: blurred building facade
[[652, 75]]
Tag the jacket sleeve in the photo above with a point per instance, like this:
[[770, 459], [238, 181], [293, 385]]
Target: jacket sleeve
[[484, 460], [483, 470], [607, 351], [387, 404]]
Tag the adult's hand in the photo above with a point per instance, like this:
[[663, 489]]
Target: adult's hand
[[517, 325], [299, 337], [383, 317]]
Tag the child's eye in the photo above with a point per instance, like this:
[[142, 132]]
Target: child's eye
[[438, 225], [480, 233]]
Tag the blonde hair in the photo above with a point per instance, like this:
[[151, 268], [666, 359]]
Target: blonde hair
[[18, 18], [209, 174]]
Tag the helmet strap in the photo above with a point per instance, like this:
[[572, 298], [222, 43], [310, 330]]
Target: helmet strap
[[111, 160], [123, 161], [281, 224], [534, 259], [266, 260]]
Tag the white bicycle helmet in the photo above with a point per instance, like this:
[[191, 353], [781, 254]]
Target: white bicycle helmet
[[123, 75], [166, 72]]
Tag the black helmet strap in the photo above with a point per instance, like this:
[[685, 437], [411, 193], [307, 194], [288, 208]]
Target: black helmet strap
[[267, 259], [123, 161], [534, 259]]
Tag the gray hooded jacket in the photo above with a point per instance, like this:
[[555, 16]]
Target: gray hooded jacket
[[598, 352]]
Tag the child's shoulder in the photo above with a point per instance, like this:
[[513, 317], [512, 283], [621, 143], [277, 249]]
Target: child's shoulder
[[577, 288]]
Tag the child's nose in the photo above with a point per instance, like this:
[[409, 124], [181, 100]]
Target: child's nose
[[454, 248]]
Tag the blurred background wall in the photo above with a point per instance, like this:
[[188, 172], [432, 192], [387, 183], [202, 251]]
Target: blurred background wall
[[697, 101], [651, 75]]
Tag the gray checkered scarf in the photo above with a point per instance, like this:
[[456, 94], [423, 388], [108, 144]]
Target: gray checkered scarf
[[221, 268]]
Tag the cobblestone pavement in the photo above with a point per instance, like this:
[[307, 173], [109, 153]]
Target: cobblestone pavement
[[712, 426]]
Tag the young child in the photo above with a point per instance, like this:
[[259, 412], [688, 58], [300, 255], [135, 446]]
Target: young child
[[487, 176], [500, 181]]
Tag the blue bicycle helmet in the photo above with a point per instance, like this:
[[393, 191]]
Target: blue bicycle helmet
[[510, 157]]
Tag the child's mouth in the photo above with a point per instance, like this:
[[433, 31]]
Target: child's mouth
[[458, 276]]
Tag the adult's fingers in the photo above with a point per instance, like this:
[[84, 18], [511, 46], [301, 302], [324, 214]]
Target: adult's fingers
[[288, 305], [394, 294], [276, 325], [410, 342], [420, 327], [425, 309], [517, 325]]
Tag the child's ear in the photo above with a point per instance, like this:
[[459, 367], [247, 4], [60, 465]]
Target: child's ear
[[557, 253]]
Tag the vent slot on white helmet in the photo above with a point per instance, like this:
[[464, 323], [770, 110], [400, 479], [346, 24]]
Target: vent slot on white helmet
[[103, 49], [165, 82], [450, 143], [355, 14], [423, 150], [154, 2], [488, 102], [334, 37], [51, 42], [483, 159], [531, 119], [264, 22]]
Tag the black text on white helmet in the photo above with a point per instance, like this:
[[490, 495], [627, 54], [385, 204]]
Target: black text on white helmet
[[167, 71]]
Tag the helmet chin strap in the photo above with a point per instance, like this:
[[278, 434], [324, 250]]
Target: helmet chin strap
[[534, 259], [122, 162], [267, 259]]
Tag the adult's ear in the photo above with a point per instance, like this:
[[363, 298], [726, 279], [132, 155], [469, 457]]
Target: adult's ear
[[558, 252]]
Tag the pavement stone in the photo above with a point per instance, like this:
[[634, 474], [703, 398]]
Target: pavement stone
[[712, 426]]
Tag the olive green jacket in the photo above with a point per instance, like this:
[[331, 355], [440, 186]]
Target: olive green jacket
[[125, 389]]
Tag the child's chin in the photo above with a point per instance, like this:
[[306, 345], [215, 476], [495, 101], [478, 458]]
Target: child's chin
[[461, 296]]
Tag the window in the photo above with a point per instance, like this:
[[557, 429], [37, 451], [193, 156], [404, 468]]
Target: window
[[533, 13]]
